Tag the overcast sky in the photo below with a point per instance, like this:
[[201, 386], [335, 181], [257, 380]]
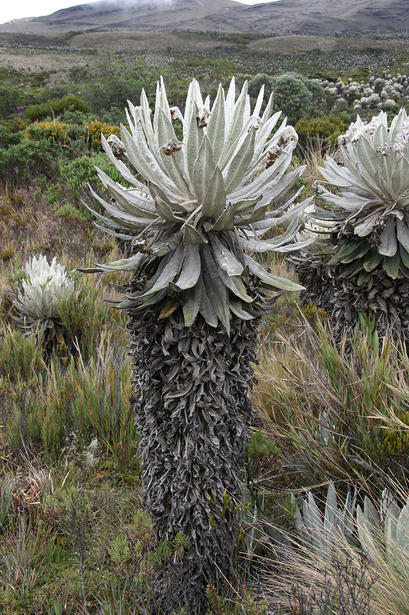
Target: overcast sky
[[28, 8]]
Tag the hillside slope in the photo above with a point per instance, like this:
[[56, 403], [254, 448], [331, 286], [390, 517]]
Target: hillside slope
[[282, 16]]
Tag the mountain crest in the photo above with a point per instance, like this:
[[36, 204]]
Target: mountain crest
[[276, 17]]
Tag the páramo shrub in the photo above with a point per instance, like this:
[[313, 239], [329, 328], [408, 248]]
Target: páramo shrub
[[117, 82], [71, 212], [52, 131], [23, 163], [93, 131], [11, 97], [75, 177], [292, 97], [55, 107], [8, 138], [294, 94], [326, 128], [257, 82]]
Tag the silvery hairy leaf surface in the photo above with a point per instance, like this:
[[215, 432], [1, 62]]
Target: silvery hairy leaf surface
[[208, 185], [366, 195], [44, 287]]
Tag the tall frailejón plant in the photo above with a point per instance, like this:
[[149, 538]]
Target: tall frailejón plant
[[366, 199], [194, 305]]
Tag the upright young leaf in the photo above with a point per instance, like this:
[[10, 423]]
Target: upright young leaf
[[216, 126], [203, 169], [215, 200], [241, 162]]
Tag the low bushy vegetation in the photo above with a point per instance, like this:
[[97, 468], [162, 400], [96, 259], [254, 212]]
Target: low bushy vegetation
[[55, 108]]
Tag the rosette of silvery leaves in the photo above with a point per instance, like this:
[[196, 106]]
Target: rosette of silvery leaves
[[368, 198], [40, 294], [207, 201]]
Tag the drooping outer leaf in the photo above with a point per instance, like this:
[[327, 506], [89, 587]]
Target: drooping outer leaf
[[192, 305], [224, 258], [391, 265], [238, 311], [388, 244], [191, 267], [346, 251], [403, 234], [268, 278], [125, 264], [206, 308], [169, 272], [236, 285], [372, 260], [215, 288]]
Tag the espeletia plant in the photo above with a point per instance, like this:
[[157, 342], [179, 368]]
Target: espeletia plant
[[365, 201], [323, 533], [37, 300], [214, 181], [380, 532]]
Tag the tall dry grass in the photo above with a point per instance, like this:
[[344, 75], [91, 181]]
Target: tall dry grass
[[318, 401]]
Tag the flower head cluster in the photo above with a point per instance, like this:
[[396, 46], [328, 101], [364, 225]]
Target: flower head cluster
[[45, 286]]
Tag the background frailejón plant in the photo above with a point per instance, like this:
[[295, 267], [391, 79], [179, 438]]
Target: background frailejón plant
[[38, 300], [366, 200], [194, 304], [367, 545]]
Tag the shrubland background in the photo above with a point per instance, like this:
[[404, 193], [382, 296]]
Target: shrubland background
[[73, 538]]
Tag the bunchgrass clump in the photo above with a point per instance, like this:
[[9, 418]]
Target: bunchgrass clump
[[318, 400]]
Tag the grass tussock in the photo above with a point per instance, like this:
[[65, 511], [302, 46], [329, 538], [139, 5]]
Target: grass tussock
[[318, 401]]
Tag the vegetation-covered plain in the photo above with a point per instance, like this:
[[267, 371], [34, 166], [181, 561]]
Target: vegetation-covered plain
[[323, 518]]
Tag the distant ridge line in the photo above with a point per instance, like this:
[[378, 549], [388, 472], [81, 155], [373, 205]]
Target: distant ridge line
[[279, 17]]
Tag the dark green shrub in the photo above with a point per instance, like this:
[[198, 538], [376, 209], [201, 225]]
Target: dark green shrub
[[76, 118], [75, 132], [69, 211], [117, 83], [11, 97], [25, 161], [292, 97], [78, 74], [75, 176], [318, 94], [327, 128], [295, 95], [8, 138], [55, 107], [258, 81]]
